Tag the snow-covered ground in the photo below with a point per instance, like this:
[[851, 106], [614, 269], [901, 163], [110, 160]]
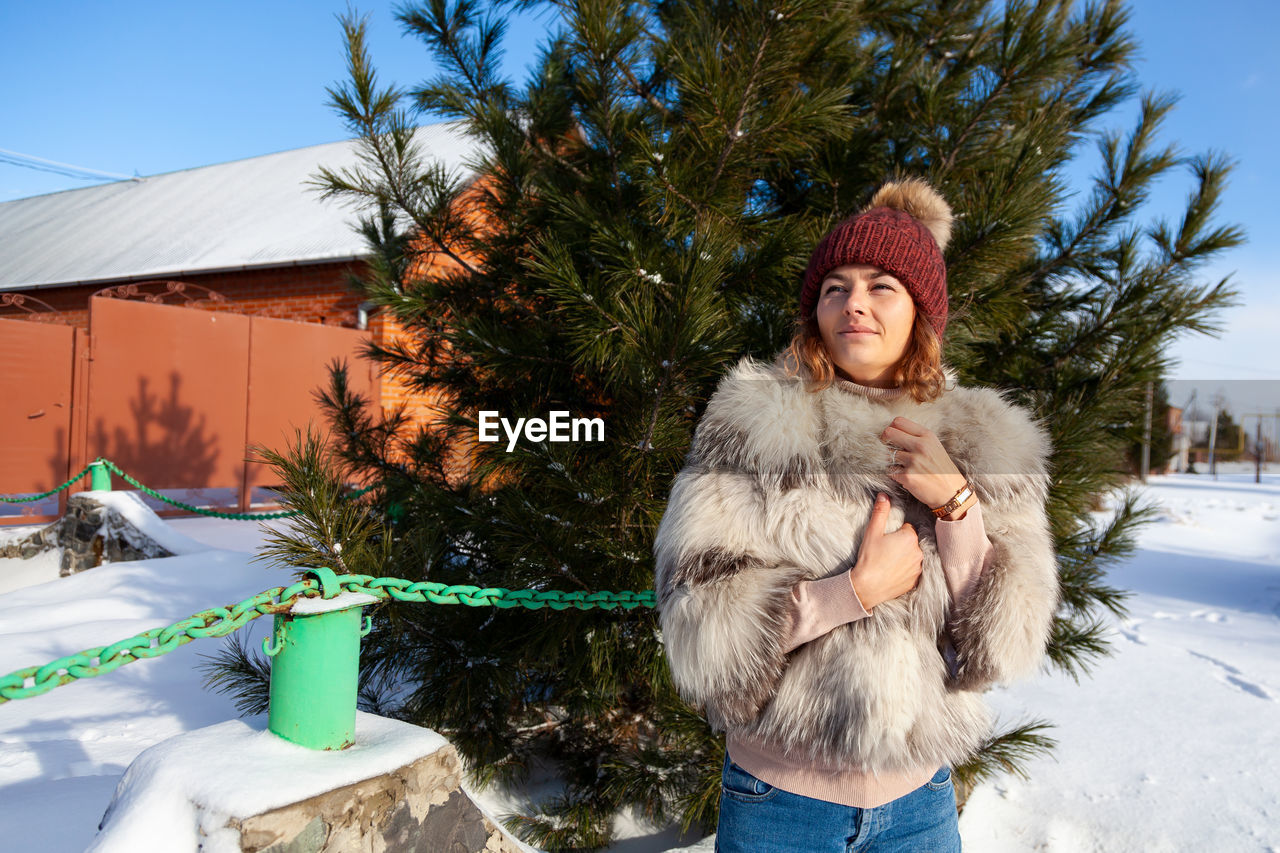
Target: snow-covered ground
[[1171, 744], [1174, 742]]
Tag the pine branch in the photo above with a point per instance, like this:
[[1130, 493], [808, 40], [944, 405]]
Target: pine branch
[[329, 530], [642, 90], [1009, 752], [372, 115], [240, 672], [753, 80], [474, 61], [1073, 647]]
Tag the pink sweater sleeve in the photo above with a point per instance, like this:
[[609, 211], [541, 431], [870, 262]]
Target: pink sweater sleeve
[[819, 606], [964, 548]]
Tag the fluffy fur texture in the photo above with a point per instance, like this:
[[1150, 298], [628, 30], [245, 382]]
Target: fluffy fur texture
[[778, 488], [921, 201]]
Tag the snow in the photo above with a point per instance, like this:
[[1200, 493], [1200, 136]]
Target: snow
[[1172, 743], [238, 769], [16, 573], [61, 754], [341, 601], [46, 566]]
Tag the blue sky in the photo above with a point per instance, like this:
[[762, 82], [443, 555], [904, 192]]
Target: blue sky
[[146, 87]]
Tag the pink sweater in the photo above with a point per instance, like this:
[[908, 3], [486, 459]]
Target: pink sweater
[[822, 605]]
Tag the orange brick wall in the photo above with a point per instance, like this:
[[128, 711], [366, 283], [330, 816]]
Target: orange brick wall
[[312, 293], [419, 406]]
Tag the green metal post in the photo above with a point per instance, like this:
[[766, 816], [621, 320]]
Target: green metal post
[[99, 476], [314, 669]]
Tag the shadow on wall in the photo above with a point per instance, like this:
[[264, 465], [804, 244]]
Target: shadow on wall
[[166, 444], [45, 508]]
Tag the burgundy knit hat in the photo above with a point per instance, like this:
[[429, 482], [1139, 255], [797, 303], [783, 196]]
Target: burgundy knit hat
[[903, 232]]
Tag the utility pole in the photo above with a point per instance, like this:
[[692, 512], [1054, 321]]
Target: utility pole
[[1187, 410], [1257, 453], [1213, 439], [1259, 448], [1146, 433]]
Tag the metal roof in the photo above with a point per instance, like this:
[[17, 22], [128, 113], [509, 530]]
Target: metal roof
[[256, 212]]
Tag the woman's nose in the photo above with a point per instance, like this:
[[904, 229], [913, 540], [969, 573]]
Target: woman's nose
[[853, 303]]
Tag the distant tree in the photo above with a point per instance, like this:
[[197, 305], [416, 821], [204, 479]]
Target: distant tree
[[647, 202], [1229, 442]]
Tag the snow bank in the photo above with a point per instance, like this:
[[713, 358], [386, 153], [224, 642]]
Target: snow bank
[[16, 573], [1173, 742], [131, 507]]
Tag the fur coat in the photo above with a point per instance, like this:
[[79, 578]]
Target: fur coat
[[777, 488]]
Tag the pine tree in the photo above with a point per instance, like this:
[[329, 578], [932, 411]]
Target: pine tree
[[643, 209], [1229, 441]]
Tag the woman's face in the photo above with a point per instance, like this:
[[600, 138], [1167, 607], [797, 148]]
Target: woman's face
[[865, 318]]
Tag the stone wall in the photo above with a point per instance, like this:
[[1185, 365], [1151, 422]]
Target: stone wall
[[89, 535]]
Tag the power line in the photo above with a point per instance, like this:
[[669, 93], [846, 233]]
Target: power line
[[1253, 369], [40, 164]]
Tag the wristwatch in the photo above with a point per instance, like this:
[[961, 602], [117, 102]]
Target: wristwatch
[[966, 492]]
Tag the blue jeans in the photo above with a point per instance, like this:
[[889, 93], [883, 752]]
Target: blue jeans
[[756, 817]]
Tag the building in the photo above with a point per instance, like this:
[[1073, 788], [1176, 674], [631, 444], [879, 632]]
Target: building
[[252, 238]]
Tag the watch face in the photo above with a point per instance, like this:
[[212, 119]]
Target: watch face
[[950, 506]]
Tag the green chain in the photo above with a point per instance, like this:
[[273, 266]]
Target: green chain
[[474, 596], [220, 621], [216, 622], [234, 516], [44, 495]]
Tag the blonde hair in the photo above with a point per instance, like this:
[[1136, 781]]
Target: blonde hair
[[918, 372]]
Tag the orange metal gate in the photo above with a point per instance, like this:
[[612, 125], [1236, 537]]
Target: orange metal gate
[[175, 396], [288, 362], [37, 378]]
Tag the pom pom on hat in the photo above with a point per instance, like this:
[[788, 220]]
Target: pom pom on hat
[[903, 231], [919, 201]]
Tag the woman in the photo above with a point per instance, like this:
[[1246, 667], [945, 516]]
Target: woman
[[853, 553]]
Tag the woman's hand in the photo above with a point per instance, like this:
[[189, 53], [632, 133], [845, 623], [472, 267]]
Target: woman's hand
[[889, 564], [922, 466]]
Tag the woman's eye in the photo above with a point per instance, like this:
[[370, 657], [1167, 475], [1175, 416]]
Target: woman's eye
[[832, 288]]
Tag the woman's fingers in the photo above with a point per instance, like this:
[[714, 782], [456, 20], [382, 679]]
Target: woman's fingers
[[919, 463], [889, 564], [909, 426], [879, 522], [901, 438]]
